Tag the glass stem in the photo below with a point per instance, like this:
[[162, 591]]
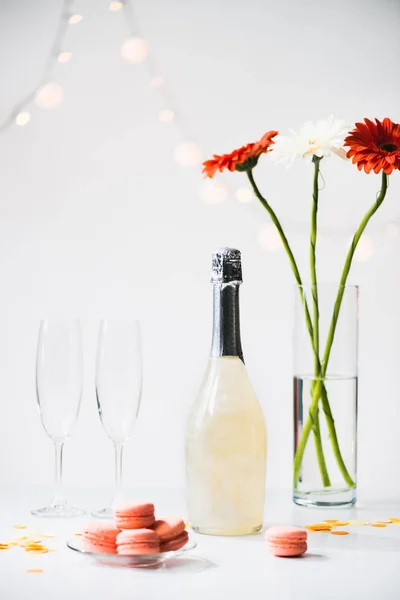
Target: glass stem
[[58, 455], [118, 449]]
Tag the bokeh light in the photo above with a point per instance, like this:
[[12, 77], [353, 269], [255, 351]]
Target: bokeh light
[[75, 19], [166, 116], [114, 6], [22, 119], [157, 81], [49, 96], [269, 239], [213, 191], [64, 57], [134, 50], [244, 195], [365, 249], [187, 154]]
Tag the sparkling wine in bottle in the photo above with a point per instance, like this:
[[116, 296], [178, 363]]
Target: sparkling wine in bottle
[[226, 438]]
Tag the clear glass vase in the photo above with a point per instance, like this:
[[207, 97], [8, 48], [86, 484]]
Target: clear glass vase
[[325, 395]]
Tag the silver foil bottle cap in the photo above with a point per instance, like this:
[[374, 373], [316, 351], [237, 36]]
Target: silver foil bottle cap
[[226, 266]]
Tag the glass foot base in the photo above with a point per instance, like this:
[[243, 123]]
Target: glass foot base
[[338, 498], [59, 511], [103, 513]]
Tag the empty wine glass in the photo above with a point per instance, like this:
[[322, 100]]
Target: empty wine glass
[[118, 389], [59, 382]]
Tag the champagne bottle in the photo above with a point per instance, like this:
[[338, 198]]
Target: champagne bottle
[[226, 433]]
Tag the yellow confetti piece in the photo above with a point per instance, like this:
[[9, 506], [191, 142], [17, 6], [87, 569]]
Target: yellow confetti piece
[[77, 534], [4, 546], [339, 532], [44, 535], [34, 571], [30, 542], [358, 523], [384, 521], [342, 523], [20, 526], [394, 520]]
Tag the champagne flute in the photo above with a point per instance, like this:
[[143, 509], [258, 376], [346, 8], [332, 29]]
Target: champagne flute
[[118, 389], [59, 383]]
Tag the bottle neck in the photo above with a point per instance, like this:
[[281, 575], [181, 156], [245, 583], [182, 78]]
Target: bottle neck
[[226, 321]]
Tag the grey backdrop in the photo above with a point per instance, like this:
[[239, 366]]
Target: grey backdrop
[[96, 219]]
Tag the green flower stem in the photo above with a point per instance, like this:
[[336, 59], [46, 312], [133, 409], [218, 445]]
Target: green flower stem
[[275, 220], [314, 291], [286, 245], [324, 365]]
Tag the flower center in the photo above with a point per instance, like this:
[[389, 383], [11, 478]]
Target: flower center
[[388, 147], [313, 146]]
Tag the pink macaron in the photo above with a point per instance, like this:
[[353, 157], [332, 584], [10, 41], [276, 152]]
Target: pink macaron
[[138, 541], [286, 541], [168, 528], [172, 534], [134, 515], [176, 543], [100, 537]]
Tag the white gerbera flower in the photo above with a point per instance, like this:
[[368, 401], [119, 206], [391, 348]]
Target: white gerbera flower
[[315, 139]]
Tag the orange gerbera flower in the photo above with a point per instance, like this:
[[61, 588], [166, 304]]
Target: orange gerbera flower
[[243, 159], [375, 146]]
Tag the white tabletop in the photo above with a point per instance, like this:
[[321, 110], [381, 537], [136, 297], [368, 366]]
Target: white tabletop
[[364, 565]]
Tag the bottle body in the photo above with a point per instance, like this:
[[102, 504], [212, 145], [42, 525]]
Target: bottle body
[[226, 439], [226, 452]]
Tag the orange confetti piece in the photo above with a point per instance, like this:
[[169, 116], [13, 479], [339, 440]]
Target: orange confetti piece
[[331, 521], [378, 525], [34, 571], [4, 546], [320, 527], [339, 532], [20, 527]]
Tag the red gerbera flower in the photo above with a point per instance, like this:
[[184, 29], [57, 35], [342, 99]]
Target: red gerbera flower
[[375, 146], [243, 159]]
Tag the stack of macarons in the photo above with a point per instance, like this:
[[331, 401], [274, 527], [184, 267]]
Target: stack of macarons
[[135, 531]]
